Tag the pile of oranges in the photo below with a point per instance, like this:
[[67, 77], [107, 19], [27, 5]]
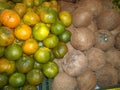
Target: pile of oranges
[[32, 34]]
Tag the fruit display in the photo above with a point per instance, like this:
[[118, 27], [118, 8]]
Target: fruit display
[[32, 34], [59, 45]]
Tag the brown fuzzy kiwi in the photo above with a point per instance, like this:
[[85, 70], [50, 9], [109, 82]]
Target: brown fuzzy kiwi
[[59, 63], [70, 47], [87, 80], [92, 26], [118, 75], [107, 76], [82, 39], [66, 6], [108, 19], [75, 63], [117, 41], [64, 82], [116, 31], [94, 6], [104, 39], [82, 17], [107, 4], [96, 58], [113, 57]]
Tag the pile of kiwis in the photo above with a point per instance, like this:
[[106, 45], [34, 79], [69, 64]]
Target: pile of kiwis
[[93, 56]]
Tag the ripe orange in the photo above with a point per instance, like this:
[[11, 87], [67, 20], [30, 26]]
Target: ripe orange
[[5, 37], [35, 77], [9, 18], [23, 32], [17, 79], [65, 17], [42, 55], [6, 66], [51, 41], [31, 18], [50, 69], [30, 46], [40, 31]]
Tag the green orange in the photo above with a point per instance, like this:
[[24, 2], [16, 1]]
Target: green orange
[[42, 55], [17, 79]]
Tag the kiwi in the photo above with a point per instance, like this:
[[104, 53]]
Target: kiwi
[[104, 39], [108, 19], [95, 6], [107, 76], [117, 41], [64, 82], [113, 57], [82, 39], [66, 6], [75, 63], [96, 58], [87, 80], [82, 17]]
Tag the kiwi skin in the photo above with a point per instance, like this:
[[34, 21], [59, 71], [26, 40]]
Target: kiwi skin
[[64, 82], [75, 63], [96, 58], [87, 80], [108, 19], [107, 76], [104, 39]]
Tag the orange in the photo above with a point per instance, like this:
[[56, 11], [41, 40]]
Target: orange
[[6, 66], [2, 50], [47, 14], [35, 77], [65, 17], [50, 69], [38, 65], [23, 32], [9, 87], [57, 28], [9, 18], [24, 64], [13, 52], [5, 37], [30, 46], [31, 18], [60, 50], [20, 8], [51, 41], [65, 36], [17, 79], [28, 3], [42, 55], [3, 80], [40, 31], [29, 87]]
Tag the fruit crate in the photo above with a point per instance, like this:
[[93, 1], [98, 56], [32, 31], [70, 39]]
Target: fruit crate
[[47, 85]]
